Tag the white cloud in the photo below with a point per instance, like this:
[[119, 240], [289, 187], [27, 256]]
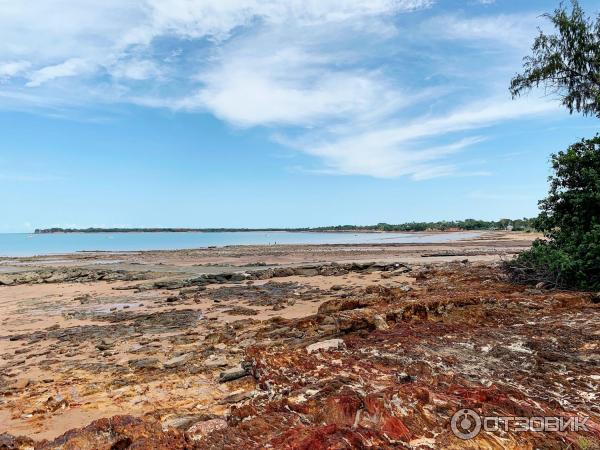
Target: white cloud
[[66, 37], [68, 68], [515, 30], [289, 86], [345, 81], [136, 69], [13, 68], [360, 155], [218, 18], [406, 149]]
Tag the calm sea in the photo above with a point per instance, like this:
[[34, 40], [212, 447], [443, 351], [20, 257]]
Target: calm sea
[[23, 244]]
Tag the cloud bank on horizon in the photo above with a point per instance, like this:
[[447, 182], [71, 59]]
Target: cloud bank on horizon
[[382, 88]]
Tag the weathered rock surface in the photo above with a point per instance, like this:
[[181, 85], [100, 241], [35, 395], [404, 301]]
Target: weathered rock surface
[[119, 432], [232, 374], [325, 345], [178, 361], [146, 363], [328, 269], [71, 275], [8, 442], [201, 429], [381, 368], [456, 344]]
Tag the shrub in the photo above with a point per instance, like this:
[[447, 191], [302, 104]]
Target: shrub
[[569, 257]]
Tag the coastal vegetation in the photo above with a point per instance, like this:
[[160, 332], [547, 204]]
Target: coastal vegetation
[[523, 224], [567, 64]]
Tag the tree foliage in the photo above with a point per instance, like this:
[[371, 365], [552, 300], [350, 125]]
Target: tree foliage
[[572, 206], [566, 63], [570, 220], [569, 63]]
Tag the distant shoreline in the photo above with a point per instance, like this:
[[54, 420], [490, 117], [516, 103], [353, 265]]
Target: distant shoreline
[[203, 230], [523, 224], [253, 230], [264, 231]]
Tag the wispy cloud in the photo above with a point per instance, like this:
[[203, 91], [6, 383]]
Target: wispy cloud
[[71, 67], [13, 68], [515, 30], [397, 149], [348, 82]]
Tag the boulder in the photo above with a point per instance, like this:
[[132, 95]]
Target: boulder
[[7, 280], [232, 374], [238, 277]]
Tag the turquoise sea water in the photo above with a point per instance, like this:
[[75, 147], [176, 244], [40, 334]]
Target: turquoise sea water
[[24, 244]]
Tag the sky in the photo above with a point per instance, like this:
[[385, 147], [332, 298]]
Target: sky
[[271, 113]]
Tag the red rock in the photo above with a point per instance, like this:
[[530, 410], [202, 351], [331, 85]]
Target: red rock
[[119, 432], [201, 429], [454, 343], [9, 442]]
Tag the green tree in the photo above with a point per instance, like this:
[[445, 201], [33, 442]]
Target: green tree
[[570, 220], [568, 63]]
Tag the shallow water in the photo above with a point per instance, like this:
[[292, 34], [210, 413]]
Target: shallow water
[[24, 244]]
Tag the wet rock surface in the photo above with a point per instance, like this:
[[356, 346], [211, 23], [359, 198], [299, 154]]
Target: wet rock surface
[[325, 269], [377, 363]]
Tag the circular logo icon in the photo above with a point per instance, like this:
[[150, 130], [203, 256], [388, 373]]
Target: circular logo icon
[[466, 424]]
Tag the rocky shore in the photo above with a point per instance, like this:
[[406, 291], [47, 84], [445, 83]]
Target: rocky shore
[[303, 354]]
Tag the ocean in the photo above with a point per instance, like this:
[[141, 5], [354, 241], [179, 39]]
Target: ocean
[[25, 244]]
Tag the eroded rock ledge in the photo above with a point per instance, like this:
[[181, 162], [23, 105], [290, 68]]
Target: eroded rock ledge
[[388, 367], [328, 269], [70, 275]]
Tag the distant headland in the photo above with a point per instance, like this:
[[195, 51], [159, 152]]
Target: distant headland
[[524, 224]]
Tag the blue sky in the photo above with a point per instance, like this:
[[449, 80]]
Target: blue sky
[[258, 113]]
